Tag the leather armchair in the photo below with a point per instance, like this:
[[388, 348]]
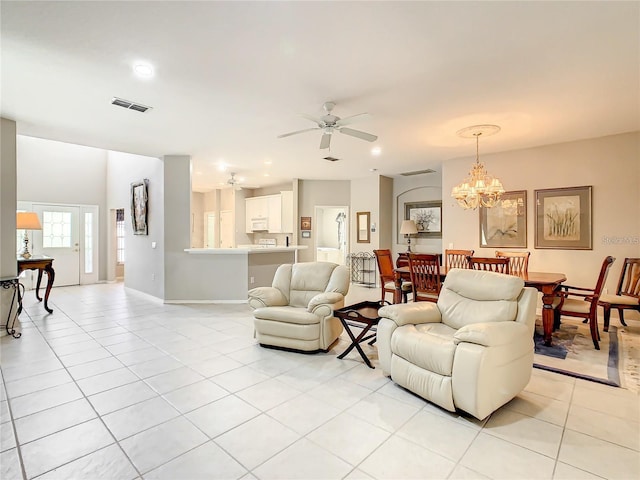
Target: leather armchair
[[472, 350], [296, 312]]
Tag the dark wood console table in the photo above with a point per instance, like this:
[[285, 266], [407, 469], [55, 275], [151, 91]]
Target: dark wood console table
[[42, 264]]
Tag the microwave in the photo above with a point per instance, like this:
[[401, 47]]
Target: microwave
[[259, 224]]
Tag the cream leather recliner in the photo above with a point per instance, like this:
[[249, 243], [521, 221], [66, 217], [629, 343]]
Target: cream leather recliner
[[472, 350], [296, 312]]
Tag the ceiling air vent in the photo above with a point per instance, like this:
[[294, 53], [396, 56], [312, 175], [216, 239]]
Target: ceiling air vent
[[129, 105], [417, 172], [331, 159]]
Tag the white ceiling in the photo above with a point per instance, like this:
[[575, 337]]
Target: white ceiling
[[231, 76]]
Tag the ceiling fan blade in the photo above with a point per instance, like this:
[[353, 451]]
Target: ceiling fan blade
[[352, 119], [325, 141], [297, 131], [312, 118], [358, 134]]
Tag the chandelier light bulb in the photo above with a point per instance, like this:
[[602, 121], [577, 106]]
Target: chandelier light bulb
[[480, 189]]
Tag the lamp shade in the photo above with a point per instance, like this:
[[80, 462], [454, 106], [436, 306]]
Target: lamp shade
[[27, 221], [408, 227]]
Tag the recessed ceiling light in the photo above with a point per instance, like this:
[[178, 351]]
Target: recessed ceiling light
[[376, 151], [143, 70], [268, 162], [373, 169], [222, 167], [266, 174]]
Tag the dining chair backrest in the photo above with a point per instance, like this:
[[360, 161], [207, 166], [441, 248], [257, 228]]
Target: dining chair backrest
[[425, 276], [403, 259], [457, 258], [385, 265], [491, 264], [629, 284], [518, 261]]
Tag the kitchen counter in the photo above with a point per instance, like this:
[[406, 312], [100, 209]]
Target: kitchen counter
[[243, 249], [227, 274]]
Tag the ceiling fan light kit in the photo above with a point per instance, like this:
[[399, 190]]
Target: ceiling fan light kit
[[330, 123]]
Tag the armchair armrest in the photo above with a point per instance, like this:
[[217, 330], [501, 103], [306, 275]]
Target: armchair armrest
[[411, 313], [326, 298], [491, 334], [266, 297]]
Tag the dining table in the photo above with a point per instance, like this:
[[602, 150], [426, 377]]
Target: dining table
[[545, 282]]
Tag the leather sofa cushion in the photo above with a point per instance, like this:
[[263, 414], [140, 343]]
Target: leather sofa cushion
[[479, 297], [429, 346], [308, 280], [287, 314]]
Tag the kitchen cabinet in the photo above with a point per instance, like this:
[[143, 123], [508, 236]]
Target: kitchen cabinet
[[277, 209], [287, 212]]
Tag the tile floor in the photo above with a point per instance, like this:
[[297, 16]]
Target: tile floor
[[113, 385]]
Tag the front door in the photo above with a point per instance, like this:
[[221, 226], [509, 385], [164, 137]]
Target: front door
[[59, 239]]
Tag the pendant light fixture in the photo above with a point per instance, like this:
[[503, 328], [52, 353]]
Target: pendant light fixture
[[480, 189]]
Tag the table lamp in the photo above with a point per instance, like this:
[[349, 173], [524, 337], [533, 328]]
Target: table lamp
[[408, 228], [27, 221]]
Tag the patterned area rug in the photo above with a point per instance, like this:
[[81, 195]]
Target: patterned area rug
[[572, 353]]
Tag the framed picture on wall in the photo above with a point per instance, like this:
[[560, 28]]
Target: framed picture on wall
[[563, 218], [139, 207], [427, 216], [305, 223], [505, 225]]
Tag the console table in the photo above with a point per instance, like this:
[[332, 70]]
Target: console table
[[7, 283], [42, 264]]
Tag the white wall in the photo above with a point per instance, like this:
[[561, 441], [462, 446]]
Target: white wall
[[63, 173], [610, 164], [144, 266]]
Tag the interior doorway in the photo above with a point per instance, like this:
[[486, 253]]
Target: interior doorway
[[210, 230], [332, 234], [227, 238]]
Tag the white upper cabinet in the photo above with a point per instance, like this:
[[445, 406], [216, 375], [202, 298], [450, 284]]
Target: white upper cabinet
[[287, 212], [277, 210]]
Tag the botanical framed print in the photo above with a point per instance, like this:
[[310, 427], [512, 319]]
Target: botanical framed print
[[563, 218], [505, 225], [428, 218], [139, 207]]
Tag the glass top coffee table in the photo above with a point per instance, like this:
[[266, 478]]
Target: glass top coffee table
[[363, 315]]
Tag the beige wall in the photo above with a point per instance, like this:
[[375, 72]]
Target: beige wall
[[318, 192], [610, 164]]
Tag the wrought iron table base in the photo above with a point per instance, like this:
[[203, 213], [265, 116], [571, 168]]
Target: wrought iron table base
[[6, 284]]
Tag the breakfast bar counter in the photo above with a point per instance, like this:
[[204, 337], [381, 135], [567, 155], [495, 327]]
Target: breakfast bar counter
[[227, 274]]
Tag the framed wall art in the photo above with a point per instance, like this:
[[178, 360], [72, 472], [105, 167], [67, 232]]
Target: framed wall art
[[305, 223], [428, 218], [505, 225], [139, 207], [563, 218]]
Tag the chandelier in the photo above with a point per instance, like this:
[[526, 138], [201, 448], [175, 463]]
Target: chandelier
[[480, 189]]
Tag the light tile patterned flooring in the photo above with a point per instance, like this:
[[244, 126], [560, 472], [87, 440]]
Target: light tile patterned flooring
[[113, 385]]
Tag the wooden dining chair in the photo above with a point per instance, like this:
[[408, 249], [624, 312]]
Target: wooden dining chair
[[518, 261], [627, 295], [490, 264], [457, 258], [387, 277], [425, 276], [583, 302]]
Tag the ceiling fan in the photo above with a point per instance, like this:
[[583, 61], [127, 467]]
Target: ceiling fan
[[329, 123], [238, 183]]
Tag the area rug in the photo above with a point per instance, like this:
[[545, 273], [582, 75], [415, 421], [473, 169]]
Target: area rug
[[572, 352]]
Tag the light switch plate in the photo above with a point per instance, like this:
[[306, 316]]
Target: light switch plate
[[153, 244]]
